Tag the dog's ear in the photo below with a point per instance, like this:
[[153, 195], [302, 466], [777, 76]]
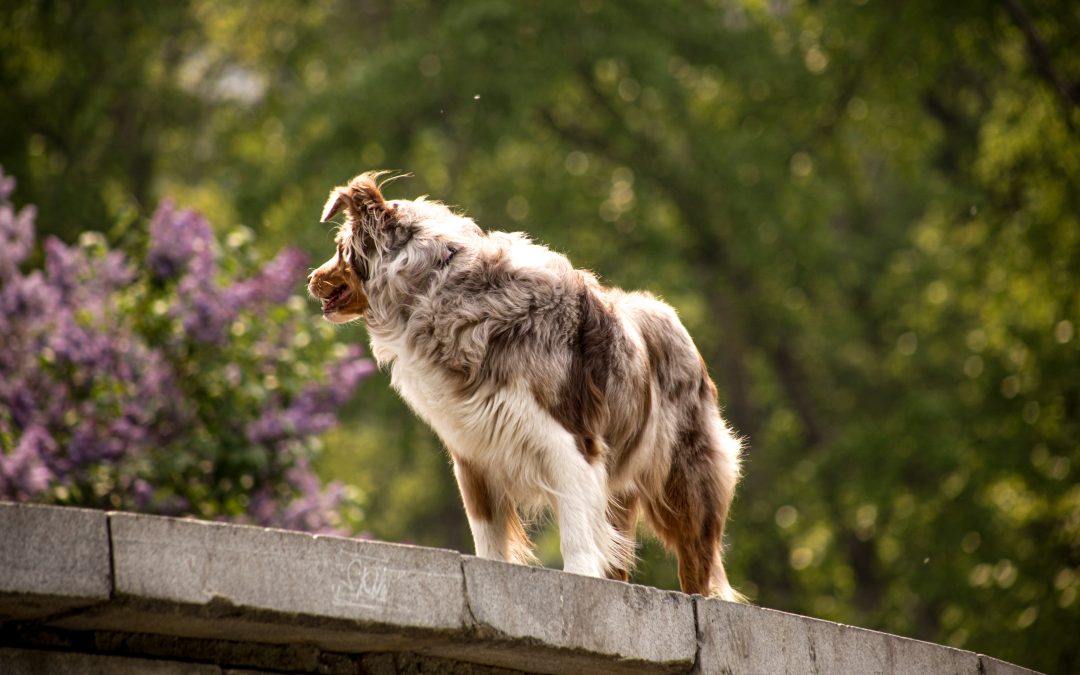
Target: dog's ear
[[335, 203], [361, 199]]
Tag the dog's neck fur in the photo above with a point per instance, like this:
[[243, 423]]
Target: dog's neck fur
[[406, 265]]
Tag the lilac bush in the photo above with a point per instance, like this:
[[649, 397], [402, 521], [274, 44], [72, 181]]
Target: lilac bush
[[192, 381]]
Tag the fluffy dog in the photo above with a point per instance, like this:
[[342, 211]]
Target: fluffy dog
[[547, 388]]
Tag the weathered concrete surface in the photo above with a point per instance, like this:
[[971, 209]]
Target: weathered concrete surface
[[51, 560], [745, 639], [213, 580], [35, 662], [402, 663], [597, 625], [84, 591]]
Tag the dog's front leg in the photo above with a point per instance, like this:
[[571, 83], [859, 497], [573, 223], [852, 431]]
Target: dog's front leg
[[497, 530], [589, 544]]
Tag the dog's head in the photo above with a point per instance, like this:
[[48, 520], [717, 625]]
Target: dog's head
[[338, 283], [401, 239]]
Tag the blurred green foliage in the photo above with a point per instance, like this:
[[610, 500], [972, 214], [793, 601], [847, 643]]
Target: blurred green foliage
[[866, 213]]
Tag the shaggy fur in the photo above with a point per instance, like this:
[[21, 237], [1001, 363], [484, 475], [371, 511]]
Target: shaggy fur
[[547, 388]]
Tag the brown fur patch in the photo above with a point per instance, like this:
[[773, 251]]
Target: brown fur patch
[[334, 273], [690, 516], [581, 407], [483, 502], [474, 492], [638, 423]]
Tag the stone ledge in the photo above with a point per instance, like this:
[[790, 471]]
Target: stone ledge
[[519, 613], [198, 579], [78, 584], [744, 639], [51, 560]]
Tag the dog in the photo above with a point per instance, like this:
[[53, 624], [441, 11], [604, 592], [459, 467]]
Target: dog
[[547, 388]]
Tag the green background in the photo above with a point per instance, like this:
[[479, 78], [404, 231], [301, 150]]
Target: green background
[[866, 213]]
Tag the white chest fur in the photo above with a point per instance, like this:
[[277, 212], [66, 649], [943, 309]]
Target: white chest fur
[[503, 431]]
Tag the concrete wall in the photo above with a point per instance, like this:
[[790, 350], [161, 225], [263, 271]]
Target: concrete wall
[[92, 592]]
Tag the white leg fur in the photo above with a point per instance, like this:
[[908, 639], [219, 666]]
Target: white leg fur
[[489, 535], [489, 538], [589, 544], [545, 462]]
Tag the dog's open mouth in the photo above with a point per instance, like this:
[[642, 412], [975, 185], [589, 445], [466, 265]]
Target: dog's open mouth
[[336, 300]]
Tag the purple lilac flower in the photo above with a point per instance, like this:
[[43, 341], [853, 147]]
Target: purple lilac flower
[[83, 279], [71, 365], [205, 311], [7, 185], [16, 230], [308, 510], [143, 491], [89, 400], [22, 473], [175, 239], [182, 245], [274, 283], [315, 409]]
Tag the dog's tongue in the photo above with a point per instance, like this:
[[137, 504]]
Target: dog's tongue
[[336, 297]]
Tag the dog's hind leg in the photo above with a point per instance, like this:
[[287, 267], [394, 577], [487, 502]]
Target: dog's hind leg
[[692, 524], [690, 514], [497, 530], [700, 538]]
